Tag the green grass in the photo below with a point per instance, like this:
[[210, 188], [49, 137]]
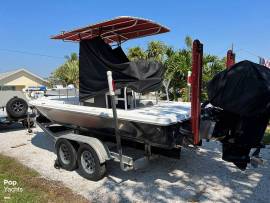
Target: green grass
[[35, 188], [266, 138]]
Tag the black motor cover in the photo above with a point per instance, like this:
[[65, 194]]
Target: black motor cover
[[246, 133], [244, 89], [242, 93]]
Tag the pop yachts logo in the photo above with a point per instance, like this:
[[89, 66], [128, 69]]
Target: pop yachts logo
[[11, 186]]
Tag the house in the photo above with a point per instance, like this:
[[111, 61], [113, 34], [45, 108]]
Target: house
[[19, 79]]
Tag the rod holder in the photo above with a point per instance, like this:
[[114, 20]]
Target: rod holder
[[116, 130]]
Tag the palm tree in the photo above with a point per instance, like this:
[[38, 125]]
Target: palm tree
[[73, 57], [136, 53], [156, 50], [188, 42], [68, 73], [177, 66]]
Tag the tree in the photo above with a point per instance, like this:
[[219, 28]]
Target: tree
[[156, 50], [73, 57], [177, 67], [177, 63], [136, 53], [160, 52], [171, 68], [211, 66], [188, 42], [68, 73]]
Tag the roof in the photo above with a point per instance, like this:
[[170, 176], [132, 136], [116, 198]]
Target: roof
[[6, 75], [115, 30]]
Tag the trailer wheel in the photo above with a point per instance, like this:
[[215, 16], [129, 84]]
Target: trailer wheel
[[66, 154], [89, 164]]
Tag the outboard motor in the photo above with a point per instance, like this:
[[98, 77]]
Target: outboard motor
[[237, 134], [239, 105]]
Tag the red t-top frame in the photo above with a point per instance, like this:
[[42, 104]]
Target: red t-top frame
[[116, 30]]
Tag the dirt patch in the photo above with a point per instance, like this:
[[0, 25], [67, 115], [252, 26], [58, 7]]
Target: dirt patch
[[34, 187]]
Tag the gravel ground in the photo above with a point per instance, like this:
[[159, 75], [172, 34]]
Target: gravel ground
[[198, 177]]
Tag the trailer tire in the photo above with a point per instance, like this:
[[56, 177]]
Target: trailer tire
[[89, 163], [66, 154], [16, 108]]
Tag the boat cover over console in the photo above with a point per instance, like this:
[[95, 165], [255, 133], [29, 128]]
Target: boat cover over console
[[97, 57]]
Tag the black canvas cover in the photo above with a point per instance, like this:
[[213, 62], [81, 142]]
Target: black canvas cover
[[244, 89], [97, 57]]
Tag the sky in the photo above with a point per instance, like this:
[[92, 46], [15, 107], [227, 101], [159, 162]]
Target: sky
[[26, 27]]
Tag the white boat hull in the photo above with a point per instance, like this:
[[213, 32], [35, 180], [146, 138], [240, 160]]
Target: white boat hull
[[141, 125]]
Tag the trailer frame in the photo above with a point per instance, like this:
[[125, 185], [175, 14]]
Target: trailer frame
[[102, 150]]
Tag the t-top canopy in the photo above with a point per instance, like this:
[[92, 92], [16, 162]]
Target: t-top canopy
[[116, 30]]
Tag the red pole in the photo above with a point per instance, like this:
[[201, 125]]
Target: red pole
[[230, 58], [197, 56]]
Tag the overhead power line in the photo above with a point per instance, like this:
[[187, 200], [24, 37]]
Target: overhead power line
[[31, 53], [251, 53]]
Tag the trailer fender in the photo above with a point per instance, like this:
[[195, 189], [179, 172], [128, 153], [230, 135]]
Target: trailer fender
[[101, 149]]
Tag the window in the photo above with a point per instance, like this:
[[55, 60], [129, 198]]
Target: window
[[6, 88]]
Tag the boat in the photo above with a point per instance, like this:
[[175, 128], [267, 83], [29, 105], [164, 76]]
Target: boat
[[143, 120], [162, 124]]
